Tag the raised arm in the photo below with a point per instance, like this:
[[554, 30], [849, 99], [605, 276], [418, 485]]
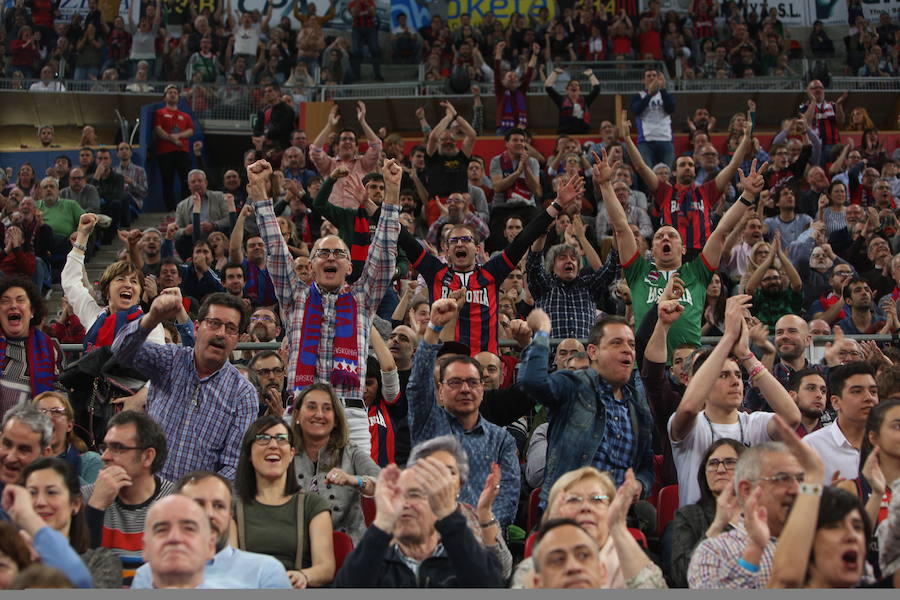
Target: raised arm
[[752, 183], [579, 229], [236, 241], [330, 125], [440, 127], [756, 278], [379, 268], [724, 177], [602, 176], [634, 155], [371, 136]]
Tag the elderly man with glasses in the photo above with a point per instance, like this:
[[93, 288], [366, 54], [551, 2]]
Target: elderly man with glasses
[[328, 322]]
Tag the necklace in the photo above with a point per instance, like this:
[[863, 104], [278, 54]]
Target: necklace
[[713, 431]]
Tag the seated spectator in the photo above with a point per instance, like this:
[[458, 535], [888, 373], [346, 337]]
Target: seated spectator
[[56, 496], [230, 568], [135, 180], [15, 258], [59, 213], [85, 194], [25, 436], [15, 554], [198, 279], [269, 368], [819, 42], [274, 515], [420, 524], [47, 84], [709, 516], [807, 388], [589, 497], [716, 393], [634, 213], [178, 543], [862, 316], [66, 444], [327, 462], [32, 358], [134, 450]]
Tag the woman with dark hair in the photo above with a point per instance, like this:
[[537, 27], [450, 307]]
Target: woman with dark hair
[[712, 514], [56, 497], [833, 212], [30, 358], [382, 390], [65, 444], [872, 148], [14, 554], [26, 180], [714, 308], [327, 462], [274, 516]]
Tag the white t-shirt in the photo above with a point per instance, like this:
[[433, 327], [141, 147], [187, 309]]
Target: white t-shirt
[[751, 429], [837, 454], [246, 41]]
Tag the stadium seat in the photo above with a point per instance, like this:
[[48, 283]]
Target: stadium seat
[[368, 508], [533, 501], [343, 545], [666, 506], [529, 544], [640, 537]]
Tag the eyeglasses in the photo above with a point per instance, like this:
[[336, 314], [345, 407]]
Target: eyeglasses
[[456, 383], [784, 478], [263, 318], [849, 353], [713, 464], [263, 439], [325, 253], [215, 324], [461, 239], [594, 500], [54, 413], [415, 495], [117, 448], [272, 371]]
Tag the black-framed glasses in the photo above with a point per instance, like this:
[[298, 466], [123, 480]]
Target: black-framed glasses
[[263, 439], [325, 253], [784, 478], [117, 448], [272, 371], [461, 239], [713, 464], [216, 324], [457, 382]]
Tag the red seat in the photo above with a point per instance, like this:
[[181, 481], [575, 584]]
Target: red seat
[[657, 478], [529, 544], [343, 545], [640, 537], [533, 501], [666, 506], [368, 508]]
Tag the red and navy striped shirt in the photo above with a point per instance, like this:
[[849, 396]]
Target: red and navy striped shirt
[[688, 209], [826, 122], [362, 19], [478, 326]]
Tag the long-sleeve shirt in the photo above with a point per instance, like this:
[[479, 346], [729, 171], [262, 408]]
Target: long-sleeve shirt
[[635, 215], [714, 564], [203, 419], [484, 443], [197, 286], [653, 115], [470, 220], [17, 262], [359, 166], [55, 551], [571, 305], [138, 186], [293, 294]]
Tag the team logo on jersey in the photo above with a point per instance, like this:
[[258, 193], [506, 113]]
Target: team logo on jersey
[[652, 277]]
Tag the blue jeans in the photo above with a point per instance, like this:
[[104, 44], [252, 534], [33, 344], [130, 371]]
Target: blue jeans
[[654, 153], [85, 73], [367, 37]]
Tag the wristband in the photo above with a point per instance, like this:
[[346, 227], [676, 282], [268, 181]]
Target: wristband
[[435, 328], [744, 201], [748, 357], [493, 521], [360, 483], [813, 489], [78, 246], [748, 566], [538, 334], [557, 206], [757, 370]]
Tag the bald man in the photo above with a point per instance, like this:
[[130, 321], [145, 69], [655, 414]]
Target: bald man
[[504, 406], [178, 541], [566, 348]]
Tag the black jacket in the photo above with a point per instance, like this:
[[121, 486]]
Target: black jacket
[[464, 562]]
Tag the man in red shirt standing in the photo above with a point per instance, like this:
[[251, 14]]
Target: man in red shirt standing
[[365, 33], [173, 128]]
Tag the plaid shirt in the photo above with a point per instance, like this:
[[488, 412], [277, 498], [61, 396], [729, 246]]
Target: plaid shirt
[[572, 305], [714, 564], [138, 187], [359, 165], [204, 419], [292, 293], [484, 444], [614, 456]]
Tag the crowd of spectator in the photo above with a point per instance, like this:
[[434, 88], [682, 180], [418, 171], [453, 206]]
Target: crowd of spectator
[[483, 371]]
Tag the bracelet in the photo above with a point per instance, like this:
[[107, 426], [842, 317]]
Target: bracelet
[[435, 328], [813, 489], [748, 566], [757, 370], [744, 201], [748, 357], [360, 483], [557, 206], [493, 521], [79, 246]]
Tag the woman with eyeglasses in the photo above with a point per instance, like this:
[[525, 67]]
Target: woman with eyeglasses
[[712, 514], [589, 497], [274, 515], [56, 499], [65, 443], [327, 462]]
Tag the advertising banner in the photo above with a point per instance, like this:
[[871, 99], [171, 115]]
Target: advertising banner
[[502, 9]]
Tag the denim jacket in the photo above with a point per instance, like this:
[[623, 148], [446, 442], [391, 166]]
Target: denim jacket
[[578, 420]]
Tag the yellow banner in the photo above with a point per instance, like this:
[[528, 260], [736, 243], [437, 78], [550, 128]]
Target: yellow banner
[[502, 9]]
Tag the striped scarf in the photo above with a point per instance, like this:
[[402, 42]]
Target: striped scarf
[[359, 246], [345, 351], [514, 116], [106, 326], [259, 287], [41, 360]]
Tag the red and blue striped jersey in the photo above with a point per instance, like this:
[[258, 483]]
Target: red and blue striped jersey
[[688, 209]]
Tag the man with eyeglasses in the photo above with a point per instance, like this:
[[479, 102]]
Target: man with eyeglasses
[[854, 393], [200, 399], [767, 476], [328, 323], [61, 214], [823, 115], [133, 451], [85, 194], [269, 367], [879, 277], [455, 412]]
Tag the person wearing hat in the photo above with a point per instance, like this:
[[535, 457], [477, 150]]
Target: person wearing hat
[[172, 128]]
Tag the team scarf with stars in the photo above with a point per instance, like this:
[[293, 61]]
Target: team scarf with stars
[[345, 350]]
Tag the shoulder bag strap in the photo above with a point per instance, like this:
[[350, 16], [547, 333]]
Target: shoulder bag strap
[[301, 530]]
